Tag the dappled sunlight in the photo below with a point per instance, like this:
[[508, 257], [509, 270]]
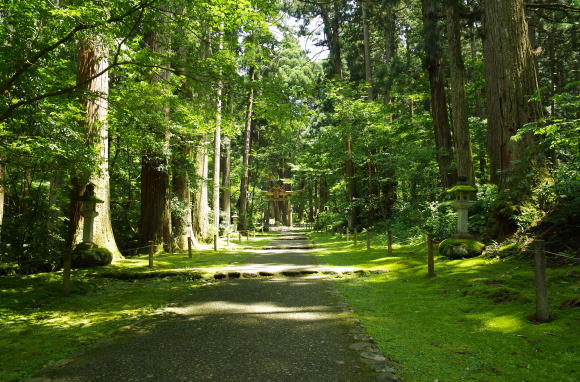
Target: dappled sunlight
[[267, 310], [504, 324]]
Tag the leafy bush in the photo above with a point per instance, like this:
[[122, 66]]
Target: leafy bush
[[440, 220], [333, 220], [481, 209]]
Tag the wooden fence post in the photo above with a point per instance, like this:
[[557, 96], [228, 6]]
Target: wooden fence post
[[189, 247], [66, 277], [542, 309], [239, 236], [215, 242], [151, 249], [347, 234], [355, 236], [228, 239], [389, 243], [368, 239], [430, 260]]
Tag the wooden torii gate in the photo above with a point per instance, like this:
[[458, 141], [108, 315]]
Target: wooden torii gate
[[278, 194]]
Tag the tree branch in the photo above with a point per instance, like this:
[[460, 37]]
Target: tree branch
[[28, 63], [553, 7]]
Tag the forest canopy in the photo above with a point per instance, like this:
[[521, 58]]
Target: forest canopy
[[182, 113]]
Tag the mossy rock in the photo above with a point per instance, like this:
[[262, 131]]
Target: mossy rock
[[460, 248], [87, 255], [508, 250]]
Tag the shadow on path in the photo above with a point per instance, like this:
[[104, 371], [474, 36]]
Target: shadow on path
[[279, 329]]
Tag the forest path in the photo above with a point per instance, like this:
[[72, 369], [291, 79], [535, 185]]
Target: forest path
[[276, 329]]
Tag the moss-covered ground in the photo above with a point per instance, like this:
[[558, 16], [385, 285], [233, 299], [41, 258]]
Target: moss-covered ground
[[40, 326], [472, 322]]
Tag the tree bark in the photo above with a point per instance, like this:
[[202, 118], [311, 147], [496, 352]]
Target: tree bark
[[182, 224], [155, 181], [2, 192], [367, 50], [350, 182], [217, 153], [226, 181], [511, 80], [245, 181], [201, 207], [93, 59], [459, 104], [433, 64], [331, 20]]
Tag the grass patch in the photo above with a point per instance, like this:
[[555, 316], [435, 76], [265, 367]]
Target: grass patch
[[471, 322], [39, 326]]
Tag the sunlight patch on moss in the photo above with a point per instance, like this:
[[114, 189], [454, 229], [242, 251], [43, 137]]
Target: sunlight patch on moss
[[503, 324]]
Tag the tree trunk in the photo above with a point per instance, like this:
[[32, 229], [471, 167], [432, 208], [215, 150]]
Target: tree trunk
[[226, 181], [217, 153], [2, 179], [93, 59], [155, 184], [367, 50], [511, 80], [245, 181], [433, 64], [350, 182], [201, 207], [459, 104], [155, 201], [331, 20], [182, 224]]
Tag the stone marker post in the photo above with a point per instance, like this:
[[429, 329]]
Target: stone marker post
[[89, 212], [464, 195]]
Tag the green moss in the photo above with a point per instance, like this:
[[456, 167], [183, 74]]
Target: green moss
[[460, 248], [469, 323], [463, 188], [39, 326], [86, 255]]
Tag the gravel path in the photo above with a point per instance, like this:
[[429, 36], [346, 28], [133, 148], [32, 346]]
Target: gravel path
[[277, 329]]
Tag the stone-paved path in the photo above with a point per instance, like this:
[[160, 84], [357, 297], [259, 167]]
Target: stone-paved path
[[276, 329]]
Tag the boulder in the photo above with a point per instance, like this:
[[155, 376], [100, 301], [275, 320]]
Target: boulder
[[460, 248], [88, 255]]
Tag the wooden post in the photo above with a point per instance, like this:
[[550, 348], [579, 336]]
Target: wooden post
[[151, 249], [368, 239], [189, 247], [389, 243], [247, 235], [215, 244], [239, 236], [228, 239], [430, 261], [355, 236], [347, 234], [542, 308], [66, 279], [171, 247]]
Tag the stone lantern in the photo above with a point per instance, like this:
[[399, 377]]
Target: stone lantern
[[464, 196], [89, 212], [235, 220]]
